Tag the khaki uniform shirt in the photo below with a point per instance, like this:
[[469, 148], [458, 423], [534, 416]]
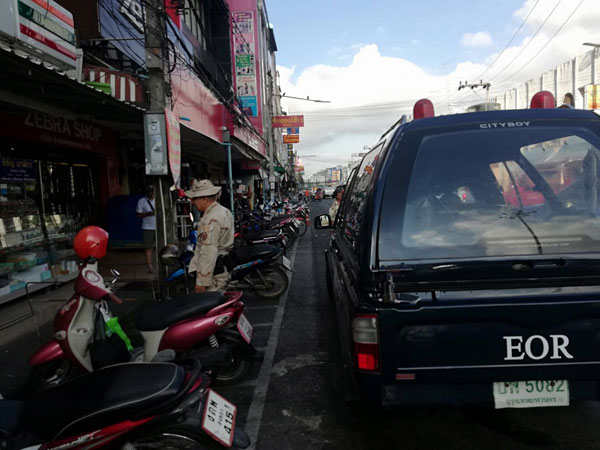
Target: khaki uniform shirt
[[215, 237], [333, 210]]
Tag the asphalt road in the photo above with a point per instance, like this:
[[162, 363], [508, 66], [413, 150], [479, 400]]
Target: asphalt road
[[294, 401]]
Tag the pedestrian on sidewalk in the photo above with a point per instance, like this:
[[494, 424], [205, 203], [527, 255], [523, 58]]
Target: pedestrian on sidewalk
[[215, 238], [145, 211]]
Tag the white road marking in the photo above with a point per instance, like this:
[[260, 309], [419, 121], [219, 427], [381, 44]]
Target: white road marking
[[257, 406]]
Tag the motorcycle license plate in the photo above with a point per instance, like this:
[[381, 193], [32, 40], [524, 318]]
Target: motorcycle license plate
[[531, 394], [286, 263], [245, 328], [219, 418]]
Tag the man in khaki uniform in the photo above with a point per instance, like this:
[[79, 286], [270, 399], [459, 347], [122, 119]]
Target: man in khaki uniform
[[215, 237]]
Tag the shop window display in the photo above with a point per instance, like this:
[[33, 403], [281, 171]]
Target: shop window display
[[42, 205]]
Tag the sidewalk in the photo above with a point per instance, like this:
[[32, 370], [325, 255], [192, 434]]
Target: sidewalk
[[33, 319]]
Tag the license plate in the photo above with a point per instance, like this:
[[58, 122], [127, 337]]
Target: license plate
[[287, 263], [245, 328], [219, 418], [531, 394]]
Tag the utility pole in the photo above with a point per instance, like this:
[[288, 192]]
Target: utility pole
[[155, 39], [481, 84]]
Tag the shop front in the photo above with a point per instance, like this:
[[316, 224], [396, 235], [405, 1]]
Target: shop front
[[56, 175]]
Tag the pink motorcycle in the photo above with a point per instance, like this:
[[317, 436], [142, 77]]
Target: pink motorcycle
[[209, 327]]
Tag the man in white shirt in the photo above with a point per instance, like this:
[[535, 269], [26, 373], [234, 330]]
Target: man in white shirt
[[145, 211]]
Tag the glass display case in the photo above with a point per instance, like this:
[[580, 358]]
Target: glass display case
[[23, 247]]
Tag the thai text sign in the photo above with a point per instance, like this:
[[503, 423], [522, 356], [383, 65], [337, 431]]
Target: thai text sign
[[17, 169], [287, 121], [291, 138]]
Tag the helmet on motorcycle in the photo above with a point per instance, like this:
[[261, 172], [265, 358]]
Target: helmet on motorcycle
[[91, 242], [168, 254]]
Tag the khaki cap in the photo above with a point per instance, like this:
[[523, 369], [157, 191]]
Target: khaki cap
[[202, 188]]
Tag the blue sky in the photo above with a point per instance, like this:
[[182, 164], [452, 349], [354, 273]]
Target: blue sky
[[428, 33], [374, 62]]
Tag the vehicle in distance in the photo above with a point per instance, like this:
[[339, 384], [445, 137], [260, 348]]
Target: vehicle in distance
[[328, 192], [464, 261]]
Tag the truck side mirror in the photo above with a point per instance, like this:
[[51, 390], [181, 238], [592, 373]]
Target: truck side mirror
[[323, 222]]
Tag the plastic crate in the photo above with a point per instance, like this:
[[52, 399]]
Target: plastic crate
[[17, 286]]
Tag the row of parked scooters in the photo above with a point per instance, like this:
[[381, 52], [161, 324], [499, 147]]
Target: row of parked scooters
[[258, 262], [90, 388]]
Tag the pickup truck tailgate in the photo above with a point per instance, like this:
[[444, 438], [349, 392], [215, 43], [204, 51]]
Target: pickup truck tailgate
[[493, 340]]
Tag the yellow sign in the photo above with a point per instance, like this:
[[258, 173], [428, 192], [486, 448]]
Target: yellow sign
[[291, 138], [592, 96]]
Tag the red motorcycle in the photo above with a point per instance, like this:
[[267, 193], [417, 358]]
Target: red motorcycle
[[197, 326], [127, 406]]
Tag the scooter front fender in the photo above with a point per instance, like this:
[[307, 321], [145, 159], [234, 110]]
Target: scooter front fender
[[50, 351]]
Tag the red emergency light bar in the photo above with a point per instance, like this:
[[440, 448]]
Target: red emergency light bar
[[423, 108], [542, 99]]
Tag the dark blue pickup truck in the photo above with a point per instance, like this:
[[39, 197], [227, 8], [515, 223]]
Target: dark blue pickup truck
[[465, 261]]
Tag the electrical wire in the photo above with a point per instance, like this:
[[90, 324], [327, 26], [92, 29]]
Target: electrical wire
[[545, 45], [528, 42], [509, 42]]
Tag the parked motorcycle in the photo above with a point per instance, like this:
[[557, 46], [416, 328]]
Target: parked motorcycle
[[127, 406], [195, 325], [259, 268]]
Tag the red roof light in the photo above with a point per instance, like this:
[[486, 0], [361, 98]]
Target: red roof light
[[423, 108], [542, 99]]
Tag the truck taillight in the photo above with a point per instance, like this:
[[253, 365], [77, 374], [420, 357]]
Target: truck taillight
[[365, 335]]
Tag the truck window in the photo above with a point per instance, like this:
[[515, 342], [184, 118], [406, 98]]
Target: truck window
[[356, 199], [499, 193]]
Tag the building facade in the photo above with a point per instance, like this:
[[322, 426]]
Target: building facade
[[74, 95]]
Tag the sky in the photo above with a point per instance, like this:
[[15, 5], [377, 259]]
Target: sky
[[373, 60]]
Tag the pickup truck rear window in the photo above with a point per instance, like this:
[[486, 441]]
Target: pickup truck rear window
[[481, 193]]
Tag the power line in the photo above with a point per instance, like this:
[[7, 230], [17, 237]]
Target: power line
[[545, 45], [509, 42], [528, 42]]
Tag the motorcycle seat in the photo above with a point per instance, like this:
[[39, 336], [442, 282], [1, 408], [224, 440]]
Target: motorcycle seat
[[9, 422], [163, 314], [114, 394], [258, 235], [250, 253]]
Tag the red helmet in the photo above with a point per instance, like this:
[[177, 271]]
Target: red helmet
[[91, 242]]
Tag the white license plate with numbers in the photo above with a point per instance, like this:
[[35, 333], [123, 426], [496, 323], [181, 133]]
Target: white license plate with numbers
[[219, 418], [245, 328], [531, 394]]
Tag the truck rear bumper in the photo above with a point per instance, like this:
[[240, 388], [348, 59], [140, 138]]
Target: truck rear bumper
[[454, 394]]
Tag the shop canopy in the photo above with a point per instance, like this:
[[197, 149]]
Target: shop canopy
[[29, 83]]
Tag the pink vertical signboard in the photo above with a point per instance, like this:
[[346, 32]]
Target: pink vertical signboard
[[173, 144]]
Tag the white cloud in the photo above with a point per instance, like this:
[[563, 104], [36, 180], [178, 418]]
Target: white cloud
[[479, 39], [371, 91]]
